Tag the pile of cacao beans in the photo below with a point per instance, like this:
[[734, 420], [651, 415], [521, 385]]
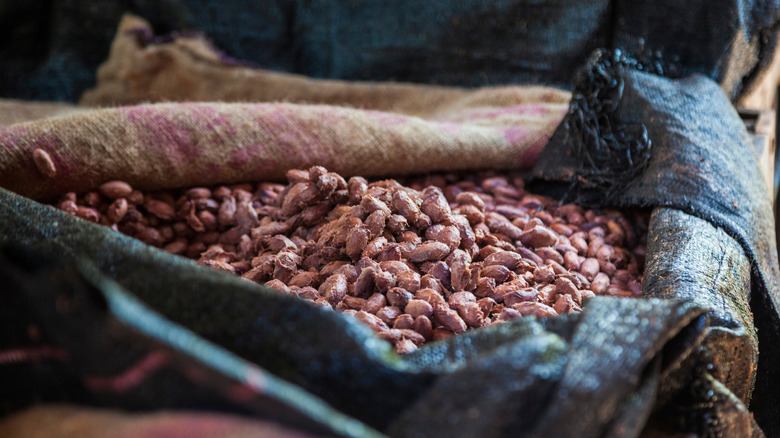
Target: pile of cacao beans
[[416, 262]]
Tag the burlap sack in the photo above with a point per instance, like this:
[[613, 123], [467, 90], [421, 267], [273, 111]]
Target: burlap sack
[[651, 358], [70, 421], [18, 111], [187, 68], [50, 50], [635, 139], [365, 129]]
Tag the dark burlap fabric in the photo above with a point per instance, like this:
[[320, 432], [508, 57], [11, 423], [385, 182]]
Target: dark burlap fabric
[[623, 367], [601, 368], [96, 318], [649, 141], [50, 50]]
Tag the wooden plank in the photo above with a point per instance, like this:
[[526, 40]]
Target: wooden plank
[[764, 140], [762, 95], [761, 126]]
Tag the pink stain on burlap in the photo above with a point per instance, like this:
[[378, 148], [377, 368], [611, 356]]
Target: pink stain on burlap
[[184, 133], [530, 155], [449, 128], [386, 119], [213, 121], [298, 136], [184, 424], [166, 128], [131, 377], [532, 142], [515, 136], [11, 136], [255, 164], [526, 110]]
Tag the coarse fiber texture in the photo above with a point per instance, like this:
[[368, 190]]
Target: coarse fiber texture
[[71, 421], [147, 145], [18, 111], [97, 318], [254, 351], [701, 161], [49, 50], [141, 68], [354, 129]]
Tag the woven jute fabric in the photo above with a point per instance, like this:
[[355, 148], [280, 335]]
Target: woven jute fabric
[[233, 123], [72, 421], [113, 307], [17, 111], [142, 68]]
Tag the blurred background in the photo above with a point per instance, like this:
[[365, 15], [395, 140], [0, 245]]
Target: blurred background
[[49, 50]]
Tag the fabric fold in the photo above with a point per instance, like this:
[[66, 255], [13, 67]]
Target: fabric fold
[[679, 144], [126, 325], [196, 331], [228, 143]]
